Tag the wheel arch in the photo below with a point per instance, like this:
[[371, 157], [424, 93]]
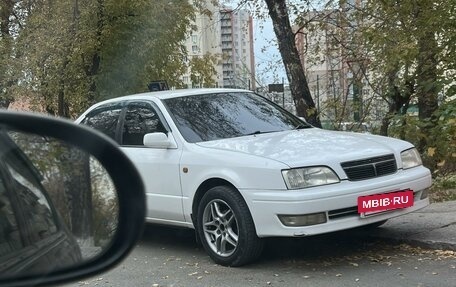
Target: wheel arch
[[203, 188]]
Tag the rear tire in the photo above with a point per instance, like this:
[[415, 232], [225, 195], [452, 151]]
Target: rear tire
[[226, 229]]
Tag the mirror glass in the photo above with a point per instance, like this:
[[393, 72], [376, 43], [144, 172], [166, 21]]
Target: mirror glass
[[58, 205]]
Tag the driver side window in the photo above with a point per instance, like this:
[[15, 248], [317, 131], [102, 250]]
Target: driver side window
[[140, 119]]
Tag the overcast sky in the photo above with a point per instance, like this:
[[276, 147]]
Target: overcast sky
[[269, 67]]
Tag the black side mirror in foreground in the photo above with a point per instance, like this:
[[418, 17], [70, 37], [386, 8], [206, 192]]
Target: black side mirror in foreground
[[71, 203]]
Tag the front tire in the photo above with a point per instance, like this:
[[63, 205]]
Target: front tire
[[226, 228]]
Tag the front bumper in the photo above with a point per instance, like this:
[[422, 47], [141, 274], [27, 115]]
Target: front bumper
[[338, 201]]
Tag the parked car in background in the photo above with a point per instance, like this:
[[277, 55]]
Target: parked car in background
[[238, 168]]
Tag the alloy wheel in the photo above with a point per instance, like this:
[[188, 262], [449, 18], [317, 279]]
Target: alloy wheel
[[220, 227]]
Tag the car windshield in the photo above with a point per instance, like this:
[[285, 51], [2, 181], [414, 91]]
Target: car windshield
[[227, 115]]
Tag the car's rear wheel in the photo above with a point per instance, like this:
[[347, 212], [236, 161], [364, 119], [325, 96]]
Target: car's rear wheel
[[226, 228]]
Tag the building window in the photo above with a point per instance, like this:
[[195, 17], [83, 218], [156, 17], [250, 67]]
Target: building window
[[194, 39], [195, 48]]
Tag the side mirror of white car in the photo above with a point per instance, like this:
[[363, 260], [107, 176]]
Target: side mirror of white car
[[157, 140]]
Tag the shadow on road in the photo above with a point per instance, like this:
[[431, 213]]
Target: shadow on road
[[169, 236], [315, 248]]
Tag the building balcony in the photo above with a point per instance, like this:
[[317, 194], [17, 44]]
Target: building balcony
[[225, 22]]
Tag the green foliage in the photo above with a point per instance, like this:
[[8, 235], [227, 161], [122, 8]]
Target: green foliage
[[440, 152], [202, 70], [145, 44], [72, 53], [7, 62], [406, 47]]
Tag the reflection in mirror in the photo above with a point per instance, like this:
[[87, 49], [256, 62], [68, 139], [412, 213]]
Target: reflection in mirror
[[58, 205]]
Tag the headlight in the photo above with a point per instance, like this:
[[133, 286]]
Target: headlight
[[309, 176], [410, 158]]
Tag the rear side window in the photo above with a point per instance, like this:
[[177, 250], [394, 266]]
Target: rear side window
[[104, 119], [140, 119]]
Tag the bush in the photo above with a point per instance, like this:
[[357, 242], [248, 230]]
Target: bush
[[439, 151]]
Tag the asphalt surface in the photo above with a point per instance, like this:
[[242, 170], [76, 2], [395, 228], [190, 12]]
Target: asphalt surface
[[431, 227], [413, 250]]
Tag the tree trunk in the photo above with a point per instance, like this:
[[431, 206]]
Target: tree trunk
[[93, 67], [6, 10], [79, 191], [427, 84], [5, 13], [302, 98], [398, 102]]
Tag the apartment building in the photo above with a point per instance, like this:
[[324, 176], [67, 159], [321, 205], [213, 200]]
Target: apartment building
[[337, 76], [228, 35], [238, 62], [323, 60]]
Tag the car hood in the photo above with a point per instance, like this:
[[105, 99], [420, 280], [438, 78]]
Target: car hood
[[311, 146]]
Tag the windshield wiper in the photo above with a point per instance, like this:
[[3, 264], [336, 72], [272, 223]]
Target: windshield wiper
[[302, 126], [259, 132]]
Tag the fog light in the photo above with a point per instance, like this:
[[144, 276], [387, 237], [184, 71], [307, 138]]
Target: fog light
[[303, 220], [424, 194]]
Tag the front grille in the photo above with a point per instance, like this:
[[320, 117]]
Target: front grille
[[343, 212], [370, 167]]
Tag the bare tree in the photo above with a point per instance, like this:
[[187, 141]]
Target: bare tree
[[305, 105]]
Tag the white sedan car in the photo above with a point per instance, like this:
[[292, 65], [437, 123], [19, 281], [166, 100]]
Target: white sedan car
[[238, 168]]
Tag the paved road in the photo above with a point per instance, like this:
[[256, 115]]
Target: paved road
[[170, 257]]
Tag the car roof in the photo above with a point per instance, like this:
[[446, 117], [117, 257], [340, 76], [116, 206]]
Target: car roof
[[162, 95]]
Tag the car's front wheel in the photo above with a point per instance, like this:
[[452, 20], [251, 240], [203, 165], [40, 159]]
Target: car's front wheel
[[226, 228]]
